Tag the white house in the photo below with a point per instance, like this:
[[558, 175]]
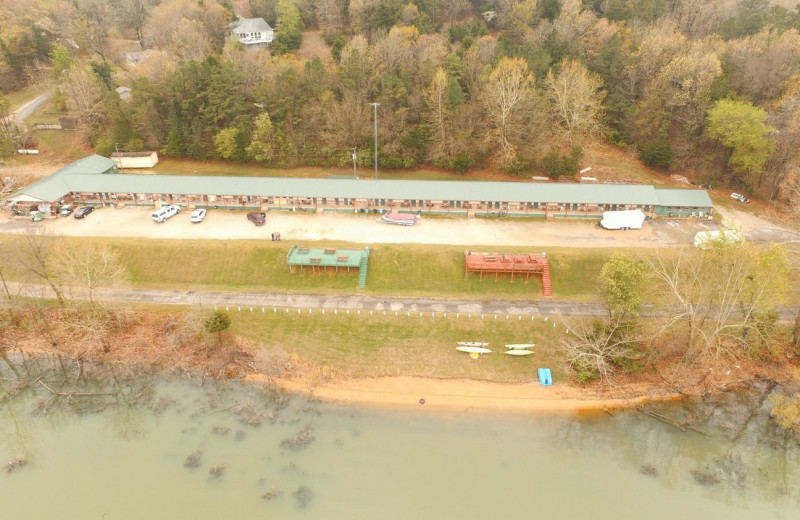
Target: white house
[[124, 93], [253, 31], [135, 159]]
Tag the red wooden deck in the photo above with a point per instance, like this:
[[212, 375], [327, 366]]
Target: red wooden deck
[[501, 263]]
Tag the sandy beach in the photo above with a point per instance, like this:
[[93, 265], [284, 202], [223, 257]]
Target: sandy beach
[[461, 395]]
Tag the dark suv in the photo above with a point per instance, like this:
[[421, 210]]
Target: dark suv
[[82, 212], [257, 217]]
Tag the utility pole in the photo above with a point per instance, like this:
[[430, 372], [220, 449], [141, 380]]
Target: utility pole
[[355, 156], [119, 159], [375, 117]]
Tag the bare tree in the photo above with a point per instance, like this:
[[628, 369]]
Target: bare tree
[[686, 84], [10, 133], [507, 93], [576, 97], [35, 258], [574, 19], [330, 14], [453, 9], [91, 26], [190, 41], [601, 348], [133, 14], [720, 299], [85, 95], [346, 121], [90, 267], [436, 100], [763, 62], [782, 168]]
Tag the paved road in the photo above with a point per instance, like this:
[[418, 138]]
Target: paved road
[[340, 302], [25, 111], [280, 301]]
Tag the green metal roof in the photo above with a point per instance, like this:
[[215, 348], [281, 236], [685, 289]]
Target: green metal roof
[[84, 176], [60, 182], [303, 257], [684, 198]]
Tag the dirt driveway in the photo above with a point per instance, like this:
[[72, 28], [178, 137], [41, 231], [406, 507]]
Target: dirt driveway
[[357, 228]]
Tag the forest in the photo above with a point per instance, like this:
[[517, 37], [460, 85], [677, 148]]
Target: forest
[[707, 88]]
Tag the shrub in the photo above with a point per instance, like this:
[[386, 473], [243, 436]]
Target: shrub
[[657, 153], [460, 163], [555, 163], [583, 371]]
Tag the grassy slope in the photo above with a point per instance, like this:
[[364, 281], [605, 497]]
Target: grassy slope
[[363, 345], [170, 165], [396, 270]]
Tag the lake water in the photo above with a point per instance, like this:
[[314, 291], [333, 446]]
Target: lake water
[[148, 453]]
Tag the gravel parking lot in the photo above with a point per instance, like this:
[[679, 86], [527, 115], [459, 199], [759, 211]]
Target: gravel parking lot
[[357, 228], [366, 229]]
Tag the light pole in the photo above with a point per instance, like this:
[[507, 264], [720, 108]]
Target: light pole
[[355, 156], [375, 117]]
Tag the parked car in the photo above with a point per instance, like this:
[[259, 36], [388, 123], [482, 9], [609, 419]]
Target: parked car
[[740, 198], [82, 212], [163, 214], [257, 217], [66, 210], [197, 215]]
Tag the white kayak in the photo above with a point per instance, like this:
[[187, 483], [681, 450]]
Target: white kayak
[[520, 346], [473, 350], [472, 344], [519, 352]]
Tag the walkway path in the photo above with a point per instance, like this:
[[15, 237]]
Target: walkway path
[[356, 302], [319, 301]]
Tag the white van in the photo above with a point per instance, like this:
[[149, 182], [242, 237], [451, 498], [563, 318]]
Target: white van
[[162, 214], [623, 219]]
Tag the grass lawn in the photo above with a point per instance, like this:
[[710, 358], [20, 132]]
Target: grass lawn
[[410, 270], [395, 270], [68, 145], [47, 114], [363, 345], [20, 97]]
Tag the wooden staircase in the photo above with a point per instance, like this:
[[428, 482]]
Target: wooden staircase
[[362, 272], [547, 288]]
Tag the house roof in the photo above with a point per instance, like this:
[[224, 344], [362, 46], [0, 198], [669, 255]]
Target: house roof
[[250, 25], [365, 189], [684, 198], [117, 155], [59, 183], [85, 176]]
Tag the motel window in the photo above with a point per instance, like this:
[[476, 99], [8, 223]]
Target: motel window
[[324, 201]]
